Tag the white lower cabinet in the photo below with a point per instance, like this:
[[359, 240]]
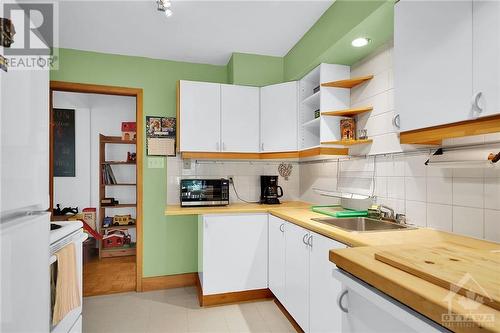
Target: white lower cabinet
[[324, 315], [234, 253], [301, 275], [367, 310], [297, 274], [277, 257]]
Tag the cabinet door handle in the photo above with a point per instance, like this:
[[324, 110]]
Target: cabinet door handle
[[339, 300], [475, 102], [304, 239], [310, 241], [282, 227], [396, 121], [262, 146]]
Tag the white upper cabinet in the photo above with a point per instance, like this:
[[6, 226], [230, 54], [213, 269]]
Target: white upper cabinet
[[199, 116], [486, 56], [240, 118], [433, 62], [279, 116]]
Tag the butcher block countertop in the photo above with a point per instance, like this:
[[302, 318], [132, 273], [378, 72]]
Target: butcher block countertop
[[235, 208], [427, 298]]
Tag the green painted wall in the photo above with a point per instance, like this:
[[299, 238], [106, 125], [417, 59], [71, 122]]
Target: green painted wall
[[170, 243], [255, 70], [338, 21]]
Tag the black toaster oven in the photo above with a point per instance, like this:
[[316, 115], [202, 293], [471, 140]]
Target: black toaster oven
[[204, 192]]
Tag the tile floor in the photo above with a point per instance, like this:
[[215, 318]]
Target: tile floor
[[177, 310]]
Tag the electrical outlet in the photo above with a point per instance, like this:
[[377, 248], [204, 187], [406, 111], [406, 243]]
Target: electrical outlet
[[231, 180], [156, 163], [186, 164]]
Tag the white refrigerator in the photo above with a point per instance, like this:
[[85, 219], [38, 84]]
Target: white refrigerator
[[24, 200]]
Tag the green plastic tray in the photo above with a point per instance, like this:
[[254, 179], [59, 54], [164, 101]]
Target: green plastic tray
[[338, 211]]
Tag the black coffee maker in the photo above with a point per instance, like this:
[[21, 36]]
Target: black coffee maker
[[269, 190]]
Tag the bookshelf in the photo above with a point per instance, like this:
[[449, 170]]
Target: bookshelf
[[107, 180]]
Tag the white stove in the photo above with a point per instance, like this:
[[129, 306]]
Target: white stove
[[66, 233]]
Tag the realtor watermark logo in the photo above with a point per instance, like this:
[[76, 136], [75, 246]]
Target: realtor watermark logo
[[461, 295], [32, 36]]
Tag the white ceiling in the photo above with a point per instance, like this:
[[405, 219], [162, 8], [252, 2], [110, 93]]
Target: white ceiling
[[199, 31]]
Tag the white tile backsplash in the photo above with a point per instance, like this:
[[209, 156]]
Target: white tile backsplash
[[416, 188], [492, 193], [468, 192], [440, 217], [440, 190], [416, 213], [492, 225], [468, 221]]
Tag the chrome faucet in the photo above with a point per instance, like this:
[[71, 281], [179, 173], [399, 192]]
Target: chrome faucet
[[388, 215]]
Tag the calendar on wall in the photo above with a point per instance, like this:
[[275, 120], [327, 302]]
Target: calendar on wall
[[160, 136]]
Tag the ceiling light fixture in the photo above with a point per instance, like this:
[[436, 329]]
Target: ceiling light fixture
[[360, 42], [164, 6]]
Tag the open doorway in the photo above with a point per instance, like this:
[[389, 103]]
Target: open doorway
[[96, 171]]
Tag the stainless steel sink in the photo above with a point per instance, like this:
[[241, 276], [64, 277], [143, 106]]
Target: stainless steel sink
[[362, 224]]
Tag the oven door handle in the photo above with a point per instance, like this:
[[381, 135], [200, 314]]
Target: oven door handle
[[53, 258]]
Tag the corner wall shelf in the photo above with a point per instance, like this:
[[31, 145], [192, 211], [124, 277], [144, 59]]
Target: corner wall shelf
[[350, 83], [347, 143], [348, 112], [313, 122]]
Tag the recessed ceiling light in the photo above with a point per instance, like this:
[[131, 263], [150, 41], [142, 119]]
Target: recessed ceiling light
[[360, 42]]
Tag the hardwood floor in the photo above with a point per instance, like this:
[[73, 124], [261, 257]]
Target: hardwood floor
[[109, 275]]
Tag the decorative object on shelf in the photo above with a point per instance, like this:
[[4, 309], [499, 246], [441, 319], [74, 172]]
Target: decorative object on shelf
[[107, 222], [285, 170], [123, 220], [131, 157], [160, 136], [109, 202], [64, 142], [3, 63], [317, 113], [362, 134], [116, 238], [65, 211], [129, 131], [494, 158], [165, 7], [348, 129], [7, 32]]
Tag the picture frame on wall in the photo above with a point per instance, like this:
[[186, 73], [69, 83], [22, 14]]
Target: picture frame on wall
[[160, 136]]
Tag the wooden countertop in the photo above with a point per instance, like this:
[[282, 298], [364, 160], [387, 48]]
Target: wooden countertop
[[424, 297], [235, 208]]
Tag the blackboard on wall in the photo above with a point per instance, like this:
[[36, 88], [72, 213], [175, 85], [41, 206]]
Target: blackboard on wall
[[64, 142]]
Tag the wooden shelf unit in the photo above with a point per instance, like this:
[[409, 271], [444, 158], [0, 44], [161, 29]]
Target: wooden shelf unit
[[121, 251], [348, 143], [350, 83], [348, 112]]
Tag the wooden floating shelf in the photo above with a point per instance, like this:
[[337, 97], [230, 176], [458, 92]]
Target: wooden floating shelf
[[120, 206], [350, 83], [116, 140], [347, 112], [121, 184], [117, 162], [347, 143]]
